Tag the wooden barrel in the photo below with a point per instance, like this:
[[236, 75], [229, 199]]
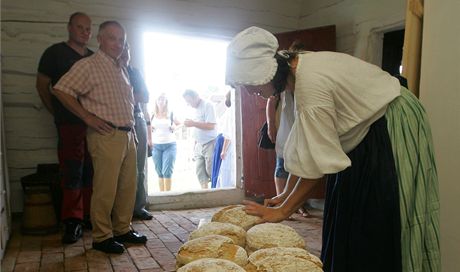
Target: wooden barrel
[[38, 215]]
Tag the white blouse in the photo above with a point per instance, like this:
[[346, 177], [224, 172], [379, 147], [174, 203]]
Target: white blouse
[[337, 98], [162, 133]]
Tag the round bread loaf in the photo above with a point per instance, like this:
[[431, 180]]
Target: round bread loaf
[[235, 215], [211, 265], [262, 257], [269, 235], [236, 233], [211, 246]]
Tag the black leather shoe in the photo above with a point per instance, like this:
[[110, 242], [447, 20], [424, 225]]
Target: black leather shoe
[[143, 215], [87, 224], [73, 230], [109, 246], [131, 237]]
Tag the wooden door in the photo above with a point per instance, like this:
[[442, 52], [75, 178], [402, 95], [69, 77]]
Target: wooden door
[[259, 164]]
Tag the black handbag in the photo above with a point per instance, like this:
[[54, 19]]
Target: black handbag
[[263, 140]]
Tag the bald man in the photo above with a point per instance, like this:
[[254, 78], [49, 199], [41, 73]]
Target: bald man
[[98, 91]]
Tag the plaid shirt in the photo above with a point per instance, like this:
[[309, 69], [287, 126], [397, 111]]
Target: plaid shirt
[[102, 87]]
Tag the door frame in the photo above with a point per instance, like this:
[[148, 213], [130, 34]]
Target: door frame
[[205, 198], [374, 51]]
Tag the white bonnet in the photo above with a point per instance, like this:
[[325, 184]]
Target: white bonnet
[[251, 57]]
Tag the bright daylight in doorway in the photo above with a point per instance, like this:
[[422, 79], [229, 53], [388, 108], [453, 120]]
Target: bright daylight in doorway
[[172, 64]]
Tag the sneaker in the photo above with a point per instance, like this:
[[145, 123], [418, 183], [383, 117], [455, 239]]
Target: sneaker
[[109, 246], [73, 230], [131, 237], [143, 215]]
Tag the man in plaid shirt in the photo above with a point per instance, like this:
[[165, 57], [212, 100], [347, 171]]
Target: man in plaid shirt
[[97, 90]]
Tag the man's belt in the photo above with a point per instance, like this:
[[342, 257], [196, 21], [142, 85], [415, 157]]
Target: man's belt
[[127, 129]]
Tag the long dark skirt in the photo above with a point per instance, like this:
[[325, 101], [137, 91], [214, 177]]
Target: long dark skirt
[[361, 230]]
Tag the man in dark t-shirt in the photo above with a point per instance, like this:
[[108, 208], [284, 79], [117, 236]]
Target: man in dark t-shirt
[[74, 160]]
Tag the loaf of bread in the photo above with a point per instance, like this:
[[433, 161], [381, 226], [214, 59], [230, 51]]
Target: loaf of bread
[[269, 235], [211, 246], [235, 215], [270, 258], [236, 233], [211, 265]]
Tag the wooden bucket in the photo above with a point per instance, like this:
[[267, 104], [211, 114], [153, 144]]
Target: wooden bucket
[[38, 216]]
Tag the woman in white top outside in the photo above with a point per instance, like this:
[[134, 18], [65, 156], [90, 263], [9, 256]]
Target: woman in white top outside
[[164, 142], [370, 136]]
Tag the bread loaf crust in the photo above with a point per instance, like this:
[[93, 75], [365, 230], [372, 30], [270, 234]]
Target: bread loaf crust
[[269, 235], [211, 246], [236, 233], [283, 259], [235, 214], [211, 265]]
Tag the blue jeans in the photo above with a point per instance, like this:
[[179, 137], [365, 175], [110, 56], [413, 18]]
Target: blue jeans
[[164, 157], [280, 172]]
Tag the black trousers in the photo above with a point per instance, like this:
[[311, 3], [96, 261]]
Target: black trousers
[[361, 230]]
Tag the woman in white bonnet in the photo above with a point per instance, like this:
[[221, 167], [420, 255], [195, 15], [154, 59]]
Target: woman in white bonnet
[[356, 124]]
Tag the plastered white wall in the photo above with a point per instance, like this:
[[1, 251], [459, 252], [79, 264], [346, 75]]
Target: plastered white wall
[[360, 24], [440, 94]]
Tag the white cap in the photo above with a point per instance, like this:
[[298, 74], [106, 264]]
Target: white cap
[[251, 57]]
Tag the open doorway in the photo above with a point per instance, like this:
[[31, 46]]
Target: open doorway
[[393, 42], [392, 51], [172, 64]]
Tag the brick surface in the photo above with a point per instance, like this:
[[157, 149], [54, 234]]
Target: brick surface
[[97, 256], [146, 263], [29, 256], [121, 260], [53, 257], [167, 231], [74, 251], [52, 246], [75, 263], [123, 268], [98, 266], [27, 267], [138, 252], [52, 267]]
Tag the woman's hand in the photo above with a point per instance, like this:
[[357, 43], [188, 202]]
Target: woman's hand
[[275, 201], [223, 154], [266, 214], [149, 137], [271, 131]]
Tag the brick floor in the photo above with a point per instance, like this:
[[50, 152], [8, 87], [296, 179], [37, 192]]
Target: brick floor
[[166, 232]]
